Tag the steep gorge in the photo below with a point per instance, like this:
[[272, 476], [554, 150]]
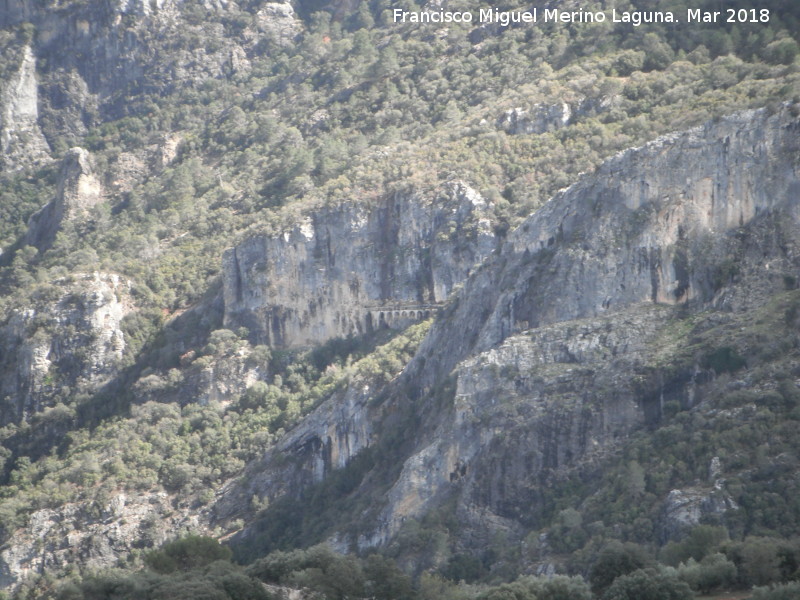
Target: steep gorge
[[570, 339]]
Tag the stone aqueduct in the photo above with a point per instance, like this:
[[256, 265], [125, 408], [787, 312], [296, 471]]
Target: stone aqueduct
[[398, 315]]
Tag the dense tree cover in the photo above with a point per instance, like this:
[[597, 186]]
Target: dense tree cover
[[197, 566], [191, 568], [648, 584], [356, 109], [353, 111], [189, 450]]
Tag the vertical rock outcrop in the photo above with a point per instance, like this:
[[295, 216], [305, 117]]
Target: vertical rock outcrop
[[652, 225], [21, 141], [539, 119], [279, 21], [353, 268], [553, 352], [71, 338], [78, 191], [591, 277]]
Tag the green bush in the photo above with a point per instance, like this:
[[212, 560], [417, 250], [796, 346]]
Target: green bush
[[701, 541], [648, 584], [614, 561], [723, 360], [714, 572], [786, 591], [559, 587], [187, 553]]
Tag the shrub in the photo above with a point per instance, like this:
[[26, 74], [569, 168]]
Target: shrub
[[187, 553], [700, 542], [614, 561], [723, 360], [713, 572], [648, 584], [788, 591]]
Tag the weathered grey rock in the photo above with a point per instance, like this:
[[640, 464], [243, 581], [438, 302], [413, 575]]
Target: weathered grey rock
[[79, 190], [279, 21], [539, 119], [132, 168], [524, 414], [652, 225], [71, 339], [22, 144], [553, 344], [684, 509], [93, 536], [544, 117], [208, 379], [141, 7], [353, 268]]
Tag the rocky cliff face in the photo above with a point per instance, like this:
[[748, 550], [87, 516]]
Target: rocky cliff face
[[553, 351], [324, 441], [21, 141], [655, 227], [543, 117], [652, 225], [98, 55], [78, 191], [95, 534], [351, 269], [68, 341]]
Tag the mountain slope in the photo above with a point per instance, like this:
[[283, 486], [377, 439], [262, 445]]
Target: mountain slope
[[225, 227], [626, 298]]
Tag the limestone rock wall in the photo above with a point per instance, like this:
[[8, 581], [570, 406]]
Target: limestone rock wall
[[353, 268], [524, 414], [21, 141], [73, 338], [552, 345], [653, 225], [92, 534], [79, 190], [550, 341]]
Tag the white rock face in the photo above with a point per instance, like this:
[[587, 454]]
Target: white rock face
[[279, 20], [548, 357], [73, 339], [21, 141], [541, 118], [354, 268], [95, 537], [79, 190], [141, 7]]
